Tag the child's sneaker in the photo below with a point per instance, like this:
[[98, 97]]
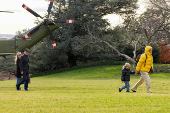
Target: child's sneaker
[[119, 90]]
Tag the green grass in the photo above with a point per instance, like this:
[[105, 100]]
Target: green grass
[[88, 90]]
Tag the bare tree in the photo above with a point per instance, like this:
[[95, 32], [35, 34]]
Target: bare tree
[[149, 28]]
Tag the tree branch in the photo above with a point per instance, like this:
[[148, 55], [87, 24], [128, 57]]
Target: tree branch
[[120, 54], [135, 49]]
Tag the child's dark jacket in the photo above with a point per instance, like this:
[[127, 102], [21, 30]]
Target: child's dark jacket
[[126, 74]]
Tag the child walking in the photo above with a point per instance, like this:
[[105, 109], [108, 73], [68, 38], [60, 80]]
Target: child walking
[[126, 77]]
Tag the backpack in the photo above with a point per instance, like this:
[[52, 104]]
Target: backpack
[[138, 57]]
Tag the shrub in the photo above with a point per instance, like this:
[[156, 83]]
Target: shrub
[[93, 64], [162, 69], [164, 56]]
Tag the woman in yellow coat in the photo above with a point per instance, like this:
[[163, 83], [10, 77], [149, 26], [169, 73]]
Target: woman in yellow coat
[[144, 65]]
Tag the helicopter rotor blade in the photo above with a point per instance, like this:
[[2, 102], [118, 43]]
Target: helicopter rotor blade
[[64, 21], [7, 11], [31, 11], [30, 33], [54, 45], [47, 22], [52, 37], [50, 7]]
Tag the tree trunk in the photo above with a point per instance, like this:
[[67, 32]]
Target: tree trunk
[[123, 55]]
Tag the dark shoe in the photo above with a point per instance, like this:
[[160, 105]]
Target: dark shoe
[[133, 90], [26, 89], [119, 90], [149, 91], [17, 87]]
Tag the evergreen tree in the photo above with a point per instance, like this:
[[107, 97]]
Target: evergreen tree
[[88, 16], [8, 64], [72, 38]]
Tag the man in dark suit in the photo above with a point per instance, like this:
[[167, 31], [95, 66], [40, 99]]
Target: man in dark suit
[[24, 68]]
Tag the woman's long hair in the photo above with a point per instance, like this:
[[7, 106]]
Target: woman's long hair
[[16, 58], [126, 64]]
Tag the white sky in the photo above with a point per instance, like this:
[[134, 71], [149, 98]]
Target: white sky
[[116, 19], [21, 19]]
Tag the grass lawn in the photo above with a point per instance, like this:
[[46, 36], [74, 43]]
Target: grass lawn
[[90, 90]]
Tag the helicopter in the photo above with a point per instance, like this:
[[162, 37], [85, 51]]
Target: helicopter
[[31, 37]]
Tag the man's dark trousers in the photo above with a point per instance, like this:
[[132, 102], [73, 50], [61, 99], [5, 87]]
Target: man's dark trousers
[[25, 79]]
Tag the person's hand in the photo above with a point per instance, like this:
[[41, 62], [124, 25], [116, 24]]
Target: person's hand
[[21, 72], [122, 81], [136, 72]]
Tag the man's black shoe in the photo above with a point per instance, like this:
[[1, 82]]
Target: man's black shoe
[[133, 90], [26, 89], [119, 90]]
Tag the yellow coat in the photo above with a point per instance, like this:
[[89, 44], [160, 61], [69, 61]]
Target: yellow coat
[[142, 66]]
